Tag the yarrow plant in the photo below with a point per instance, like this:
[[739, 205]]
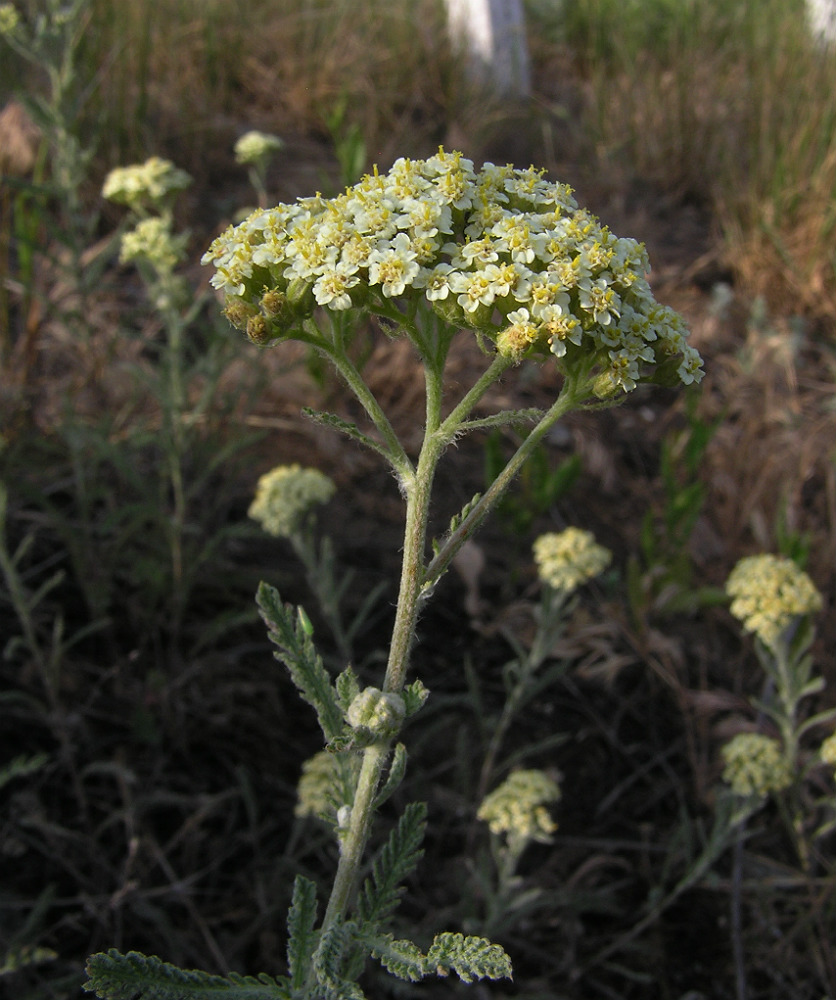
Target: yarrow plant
[[429, 250], [775, 600], [255, 150]]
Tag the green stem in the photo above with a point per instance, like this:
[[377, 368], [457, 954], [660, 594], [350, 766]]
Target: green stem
[[354, 840], [414, 577], [418, 488], [397, 457], [571, 395]]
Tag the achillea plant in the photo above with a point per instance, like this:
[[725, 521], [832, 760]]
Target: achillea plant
[[775, 600], [432, 248]]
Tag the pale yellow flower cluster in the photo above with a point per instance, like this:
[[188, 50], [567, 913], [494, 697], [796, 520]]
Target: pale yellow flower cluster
[[769, 592], [567, 559], [315, 789], [9, 18], [255, 147], [145, 185], [755, 765], [518, 806], [152, 240], [285, 495], [500, 250], [827, 751]]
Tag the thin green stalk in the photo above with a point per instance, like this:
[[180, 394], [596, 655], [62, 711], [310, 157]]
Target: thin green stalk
[[418, 490], [395, 453], [353, 841], [571, 395]]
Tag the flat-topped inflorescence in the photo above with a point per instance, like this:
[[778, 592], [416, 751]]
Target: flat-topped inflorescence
[[502, 251]]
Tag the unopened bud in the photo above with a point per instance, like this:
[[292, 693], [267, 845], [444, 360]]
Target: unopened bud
[[380, 712]]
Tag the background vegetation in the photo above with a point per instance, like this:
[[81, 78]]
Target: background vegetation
[[150, 749]]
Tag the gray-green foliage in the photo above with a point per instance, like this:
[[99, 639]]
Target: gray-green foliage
[[322, 965]]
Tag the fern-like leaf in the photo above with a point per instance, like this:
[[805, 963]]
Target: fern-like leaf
[[397, 860], [331, 956], [504, 419], [345, 427], [114, 976], [402, 958], [301, 936], [348, 687], [291, 634], [469, 957]]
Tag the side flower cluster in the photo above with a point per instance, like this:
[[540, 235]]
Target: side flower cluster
[[503, 251], [565, 560], [285, 495], [148, 185], [518, 807], [755, 765], [768, 594]]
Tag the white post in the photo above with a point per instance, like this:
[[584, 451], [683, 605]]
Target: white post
[[490, 35], [821, 17]]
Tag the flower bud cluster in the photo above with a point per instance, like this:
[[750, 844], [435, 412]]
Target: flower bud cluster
[[518, 806], [755, 765], [503, 251], [769, 592], [381, 712], [145, 185], [285, 495], [567, 559]]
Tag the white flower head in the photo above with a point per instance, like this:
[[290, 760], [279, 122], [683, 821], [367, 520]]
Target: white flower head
[[475, 246]]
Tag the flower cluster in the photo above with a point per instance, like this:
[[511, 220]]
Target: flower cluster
[[256, 147], [567, 559], [827, 751], [769, 593], [503, 251], [152, 240], [285, 495], [315, 790], [755, 765], [9, 18], [144, 185], [518, 806]]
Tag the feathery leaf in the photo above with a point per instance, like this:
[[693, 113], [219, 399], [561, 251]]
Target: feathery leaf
[[301, 936], [291, 634], [397, 859], [469, 957], [114, 976]]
